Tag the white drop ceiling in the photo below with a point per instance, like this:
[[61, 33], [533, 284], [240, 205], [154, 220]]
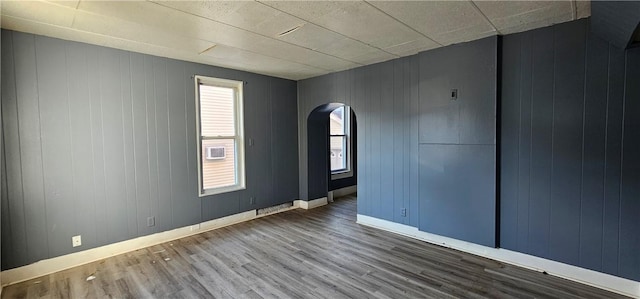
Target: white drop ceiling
[[287, 39]]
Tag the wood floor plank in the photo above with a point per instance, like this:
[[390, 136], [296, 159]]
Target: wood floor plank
[[318, 253]]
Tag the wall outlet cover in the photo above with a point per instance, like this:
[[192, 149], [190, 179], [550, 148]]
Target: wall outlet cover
[[76, 241]]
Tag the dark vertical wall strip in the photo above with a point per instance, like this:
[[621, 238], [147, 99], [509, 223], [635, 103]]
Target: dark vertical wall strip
[[417, 149], [629, 257], [97, 140], [569, 142]]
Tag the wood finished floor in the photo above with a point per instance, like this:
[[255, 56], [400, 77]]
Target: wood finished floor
[[320, 253]]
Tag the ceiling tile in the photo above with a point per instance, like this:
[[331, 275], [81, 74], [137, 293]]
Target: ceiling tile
[[252, 60], [67, 3], [13, 23], [445, 22], [311, 36], [248, 15], [412, 47], [44, 12], [583, 9], [329, 42], [356, 19], [168, 20], [105, 25], [371, 58], [269, 66], [516, 16]]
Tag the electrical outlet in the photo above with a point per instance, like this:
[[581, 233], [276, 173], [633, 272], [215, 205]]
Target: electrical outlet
[[151, 221], [403, 212], [252, 200], [76, 241]]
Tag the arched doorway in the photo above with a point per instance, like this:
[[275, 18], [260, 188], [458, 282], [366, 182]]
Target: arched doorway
[[332, 150]]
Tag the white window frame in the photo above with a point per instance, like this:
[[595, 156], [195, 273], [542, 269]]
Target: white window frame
[[238, 138], [344, 173]]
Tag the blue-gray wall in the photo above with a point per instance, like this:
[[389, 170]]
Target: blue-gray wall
[[570, 142], [413, 142], [96, 140]]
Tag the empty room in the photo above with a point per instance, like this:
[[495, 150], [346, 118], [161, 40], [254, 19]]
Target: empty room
[[320, 149]]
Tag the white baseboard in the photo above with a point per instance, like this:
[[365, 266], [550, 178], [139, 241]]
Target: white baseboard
[[589, 277], [311, 203], [52, 265]]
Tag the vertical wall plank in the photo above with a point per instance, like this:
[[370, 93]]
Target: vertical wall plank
[[15, 227], [284, 141], [541, 141], [164, 219], [509, 140], [140, 142], [79, 96], [524, 142], [56, 143], [615, 104], [26, 83], [593, 163], [414, 209], [397, 174], [567, 142], [387, 142], [128, 143], [629, 259], [97, 146], [152, 138], [182, 205], [113, 151]]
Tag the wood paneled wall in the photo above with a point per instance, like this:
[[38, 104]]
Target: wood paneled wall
[[97, 140], [414, 142], [570, 167]]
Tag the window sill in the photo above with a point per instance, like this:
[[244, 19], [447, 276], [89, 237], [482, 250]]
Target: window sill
[[341, 174], [221, 190]]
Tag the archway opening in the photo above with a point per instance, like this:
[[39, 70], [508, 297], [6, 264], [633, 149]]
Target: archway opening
[[332, 151]]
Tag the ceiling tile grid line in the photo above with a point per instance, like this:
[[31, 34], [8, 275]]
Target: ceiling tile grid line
[[323, 27], [297, 61], [158, 46], [485, 17], [293, 40], [277, 41], [263, 35], [403, 23]]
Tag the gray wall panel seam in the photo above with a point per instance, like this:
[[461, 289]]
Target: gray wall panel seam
[[171, 210], [72, 174], [35, 54], [584, 111], [531, 100], [606, 146], [624, 103], [133, 130], [553, 122], [518, 150], [24, 218]]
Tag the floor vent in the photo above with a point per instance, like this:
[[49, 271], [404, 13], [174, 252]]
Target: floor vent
[[275, 209]]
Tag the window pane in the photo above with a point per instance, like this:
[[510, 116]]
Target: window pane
[[218, 163], [336, 121], [337, 154], [216, 111]]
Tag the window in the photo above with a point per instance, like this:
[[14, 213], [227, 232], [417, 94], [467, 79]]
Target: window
[[339, 139], [220, 135]]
